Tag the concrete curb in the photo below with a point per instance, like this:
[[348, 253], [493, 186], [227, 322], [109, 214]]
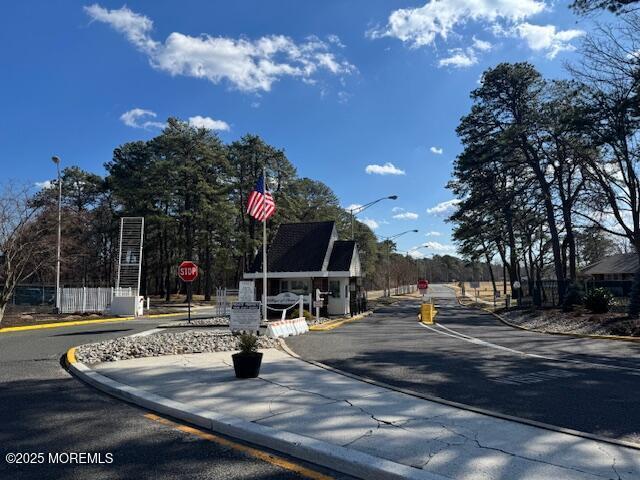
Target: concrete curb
[[75, 323], [332, 324], [620, 338], [334, 457], [464, 406]]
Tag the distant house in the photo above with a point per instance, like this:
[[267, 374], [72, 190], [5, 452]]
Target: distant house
[[304, 257], [622, 266]]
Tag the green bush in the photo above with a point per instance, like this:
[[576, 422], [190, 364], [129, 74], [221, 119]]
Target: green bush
[[598, 300], [248, 343], [573, 297], [295, 312]]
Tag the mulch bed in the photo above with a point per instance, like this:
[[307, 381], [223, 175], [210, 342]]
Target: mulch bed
[[580, 321]]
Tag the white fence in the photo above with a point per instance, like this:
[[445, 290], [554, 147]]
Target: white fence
[[82, 300], [224, 297]]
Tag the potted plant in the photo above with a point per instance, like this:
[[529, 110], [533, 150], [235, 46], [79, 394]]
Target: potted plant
[[247, 361]]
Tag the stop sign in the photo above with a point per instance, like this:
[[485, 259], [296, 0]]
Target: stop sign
[[188, 271], [423, 284]]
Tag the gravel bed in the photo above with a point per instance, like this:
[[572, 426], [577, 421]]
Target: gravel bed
[[585, 323], [198, 322], [313, 321], [177, 343]]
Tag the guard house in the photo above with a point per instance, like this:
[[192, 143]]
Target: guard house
[[307, 256]]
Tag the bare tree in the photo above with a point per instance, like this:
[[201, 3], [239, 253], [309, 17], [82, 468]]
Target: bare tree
[[610, 77], [23, 240]]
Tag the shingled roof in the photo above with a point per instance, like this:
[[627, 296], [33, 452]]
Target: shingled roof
[[297, 247], [619, 263], [341, 256]]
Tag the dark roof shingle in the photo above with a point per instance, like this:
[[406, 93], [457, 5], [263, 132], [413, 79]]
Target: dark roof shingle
[[619, 263], [341, 255], [297, 247]]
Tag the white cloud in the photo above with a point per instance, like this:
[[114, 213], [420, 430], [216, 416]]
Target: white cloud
[[433, 234], [442, 19], [335, 39], [208, 123], [406, 216], [459, 58], [437, 150], [386, 169], [135, 118], [444, 208], [397, 209], [420, 26], [440, 247], [546, 38], [353, 206], [415, 253], [132, 25], [248, 65], [482, 45], [369, 222], [44, 185]]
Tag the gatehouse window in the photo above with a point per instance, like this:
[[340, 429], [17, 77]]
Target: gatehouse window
[[334, 288], [299, 287]]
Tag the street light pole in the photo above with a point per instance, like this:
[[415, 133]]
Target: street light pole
[[354, 211], [388, 240], [56, 160]]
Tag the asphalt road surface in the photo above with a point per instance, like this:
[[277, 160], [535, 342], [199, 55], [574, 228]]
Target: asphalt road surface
[[44, 409], [470, 357]]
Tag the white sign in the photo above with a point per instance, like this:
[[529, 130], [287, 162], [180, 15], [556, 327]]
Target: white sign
[[423, 291], [246, 291], [245, 316]]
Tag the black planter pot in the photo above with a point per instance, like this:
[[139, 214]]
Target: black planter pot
[[247, 365]]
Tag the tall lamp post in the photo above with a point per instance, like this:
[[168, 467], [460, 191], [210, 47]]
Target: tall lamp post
[[56, 160], [388, 240], [355, 211]]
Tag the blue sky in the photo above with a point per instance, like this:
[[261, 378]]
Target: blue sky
[[363, 95]]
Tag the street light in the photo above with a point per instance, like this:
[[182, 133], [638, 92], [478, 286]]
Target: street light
[[362, 208], [388, 240], [55, 159]]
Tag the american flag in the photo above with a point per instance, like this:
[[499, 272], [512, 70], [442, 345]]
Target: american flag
[[261, 205]]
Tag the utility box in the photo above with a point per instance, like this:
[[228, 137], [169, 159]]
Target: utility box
[[130, 306]]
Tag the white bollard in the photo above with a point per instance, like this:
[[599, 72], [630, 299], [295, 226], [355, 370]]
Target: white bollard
[[301, 306]]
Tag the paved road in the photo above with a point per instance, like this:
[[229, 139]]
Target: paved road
[[470, 357], [44, 409]]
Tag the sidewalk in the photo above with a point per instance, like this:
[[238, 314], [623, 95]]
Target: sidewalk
[[417, 438]]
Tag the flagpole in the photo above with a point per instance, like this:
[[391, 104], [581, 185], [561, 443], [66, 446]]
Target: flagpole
[[264, 246]]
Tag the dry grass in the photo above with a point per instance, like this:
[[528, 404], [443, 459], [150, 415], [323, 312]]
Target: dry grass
[[485, 292]]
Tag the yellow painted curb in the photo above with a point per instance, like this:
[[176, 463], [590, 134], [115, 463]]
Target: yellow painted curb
[[71, 356], [566, 334], [621, 338], [251, 451], [85, 322], [324, 327]]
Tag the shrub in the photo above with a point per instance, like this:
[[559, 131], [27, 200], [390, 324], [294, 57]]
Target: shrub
[[572, 297], [598, 300], [248, 343], [295, 312]]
